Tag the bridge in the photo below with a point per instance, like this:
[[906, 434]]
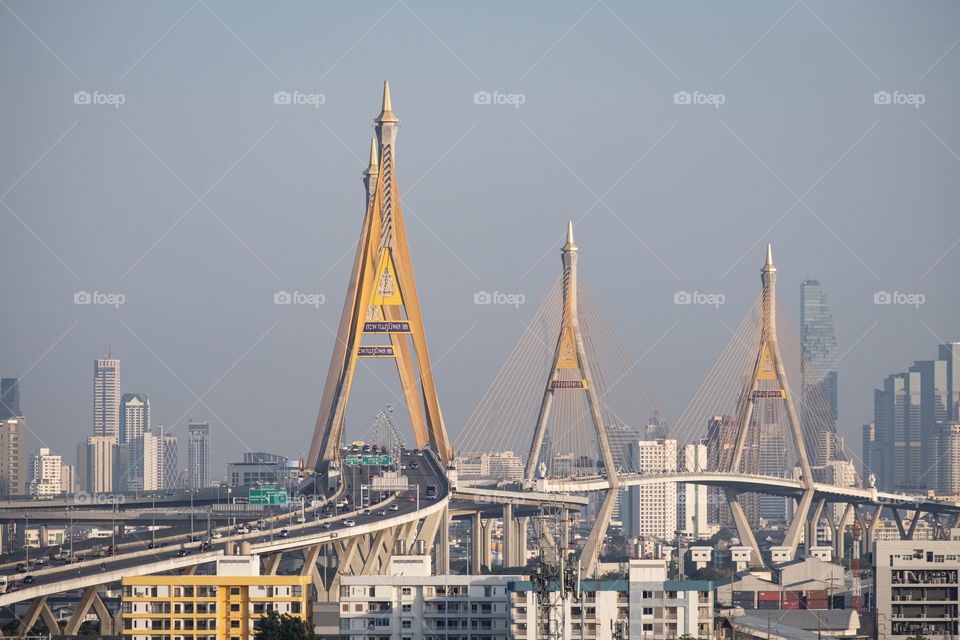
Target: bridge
[[587, 388]]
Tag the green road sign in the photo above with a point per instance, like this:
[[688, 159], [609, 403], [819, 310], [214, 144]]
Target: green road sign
[[351, 461], [268, 494], [376, 460]]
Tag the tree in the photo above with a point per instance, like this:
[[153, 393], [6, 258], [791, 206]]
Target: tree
[[274, 626]]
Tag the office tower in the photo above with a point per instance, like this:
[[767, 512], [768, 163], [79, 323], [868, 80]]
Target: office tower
[[949, 468], [818, 364], [134, 423], [198, 454], [9, 398], [721, 432], [934, 404], [106, 397], [772, 461], [13, 456], [46, 474], [620, 437], [692, 498], [170, 469], [68, 479], [897, 420], [98, 463], [134, 416], [651, 509], [872, 455], [950, 353]]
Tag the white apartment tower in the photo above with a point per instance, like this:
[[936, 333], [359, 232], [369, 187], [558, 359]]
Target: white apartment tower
[[651, 509]]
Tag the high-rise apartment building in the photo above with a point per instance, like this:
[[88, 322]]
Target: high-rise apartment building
[[818, 345], [950, 353], [934, 408], [651, 509], [13, 456], [106, 397], [948, 439], [46, 474], [9, 398], [198, 454]]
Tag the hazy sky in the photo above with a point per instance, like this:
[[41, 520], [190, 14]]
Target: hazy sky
[[198, 197]]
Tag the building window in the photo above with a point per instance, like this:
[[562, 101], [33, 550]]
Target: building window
[[405, 591], [234, 591], [405, 608], [406, 624]]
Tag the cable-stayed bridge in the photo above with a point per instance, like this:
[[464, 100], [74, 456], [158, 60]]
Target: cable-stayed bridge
[[569, 399]]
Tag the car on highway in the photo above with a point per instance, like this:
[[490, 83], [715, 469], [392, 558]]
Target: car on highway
[[414, 465], [284, 533], [349, 523], [418, 452], [183, 552], [216, 534], [22, 567], [382, 512], [40, 562], [300, 520], [326, 525], [342, 502], [365, 512], [394, 507], [29, 580]]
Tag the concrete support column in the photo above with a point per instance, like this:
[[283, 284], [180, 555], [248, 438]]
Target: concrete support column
[[522, 528], [509, 541], [443, 550], [486, 547], [476, 543]]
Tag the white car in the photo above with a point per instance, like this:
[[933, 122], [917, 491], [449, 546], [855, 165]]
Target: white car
[[216, 534], [394, 507], [349, 523]]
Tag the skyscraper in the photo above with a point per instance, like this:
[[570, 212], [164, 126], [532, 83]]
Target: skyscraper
[[9, 398], [170, 468], [134, 416], [934, 409], [97, 463], [198, 454], [949, 467], [819, 363], [13, 456], [106, 397], [950, 353]]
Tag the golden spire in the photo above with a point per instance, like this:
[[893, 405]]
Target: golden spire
[[386, 111], [570, 246], [374, 160]]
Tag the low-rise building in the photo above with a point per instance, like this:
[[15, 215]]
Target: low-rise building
[[411, 604], [915, 589], [225, 606], [647, 605]]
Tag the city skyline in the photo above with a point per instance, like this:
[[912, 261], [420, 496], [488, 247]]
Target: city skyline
[[316, 224]]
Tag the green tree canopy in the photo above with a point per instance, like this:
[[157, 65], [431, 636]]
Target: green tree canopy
[[274, 626]]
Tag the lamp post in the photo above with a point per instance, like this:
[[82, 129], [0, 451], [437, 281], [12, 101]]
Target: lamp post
[[70, 513], [26, 544], [191, 515]]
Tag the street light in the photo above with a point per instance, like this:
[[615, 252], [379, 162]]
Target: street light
[[26, 544], [70, 512]]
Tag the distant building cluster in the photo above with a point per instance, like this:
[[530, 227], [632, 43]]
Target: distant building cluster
[[913, 443], [499, 465]]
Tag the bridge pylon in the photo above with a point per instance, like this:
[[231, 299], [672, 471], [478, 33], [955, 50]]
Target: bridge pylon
[[768, 380], [570, 356], [382, 305]]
